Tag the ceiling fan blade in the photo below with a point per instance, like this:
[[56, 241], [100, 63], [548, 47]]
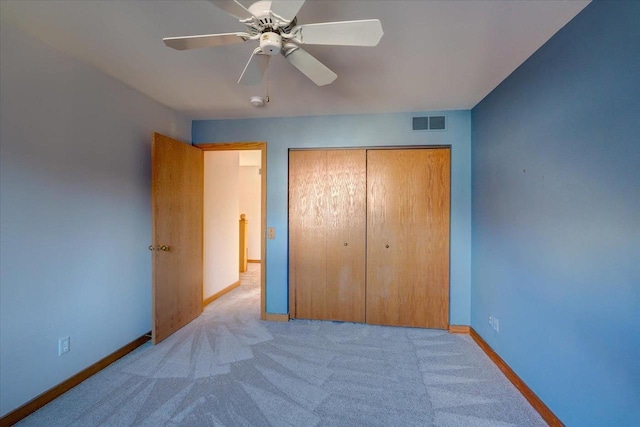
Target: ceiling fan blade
[[367, 32], [255, 68], [310, 66], [233, 8], [286, 9], [207, 40]]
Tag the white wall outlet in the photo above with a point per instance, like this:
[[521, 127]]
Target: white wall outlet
[[271, 233], [491, 321], [496, 325], [64, 345]]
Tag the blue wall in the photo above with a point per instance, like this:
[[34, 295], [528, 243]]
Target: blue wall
[[282, 134], [556, 218], [75, 216]]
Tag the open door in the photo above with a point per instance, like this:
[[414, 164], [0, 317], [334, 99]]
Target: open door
[[177, 196]]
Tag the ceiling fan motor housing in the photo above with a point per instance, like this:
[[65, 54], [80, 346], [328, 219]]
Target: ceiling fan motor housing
[[270, 43]]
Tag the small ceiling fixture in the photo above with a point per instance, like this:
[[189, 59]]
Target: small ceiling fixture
[[258, 101], [274, 25]]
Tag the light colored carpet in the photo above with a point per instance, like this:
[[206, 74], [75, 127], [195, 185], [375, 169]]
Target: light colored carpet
[[228, 368]]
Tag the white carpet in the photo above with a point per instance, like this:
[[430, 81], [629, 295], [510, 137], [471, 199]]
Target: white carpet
[[228, 368]]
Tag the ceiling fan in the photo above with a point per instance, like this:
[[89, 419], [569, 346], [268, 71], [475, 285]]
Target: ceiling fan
[[273, 23]]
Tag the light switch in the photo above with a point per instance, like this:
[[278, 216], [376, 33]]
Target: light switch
[[271, 233]]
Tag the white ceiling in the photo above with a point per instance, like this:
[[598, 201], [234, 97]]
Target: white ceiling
[[434, 55]]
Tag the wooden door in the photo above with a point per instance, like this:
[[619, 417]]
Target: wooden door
[[346, 188], [307, 234], [177, 224], [327, 194], [408, 237]]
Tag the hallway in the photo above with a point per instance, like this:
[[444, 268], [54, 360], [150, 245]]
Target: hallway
[[229, 368]]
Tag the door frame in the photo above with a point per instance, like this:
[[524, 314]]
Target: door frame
[[262, 146]]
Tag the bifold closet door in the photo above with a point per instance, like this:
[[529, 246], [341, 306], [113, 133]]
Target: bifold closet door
[[327, 226], [408, 237]]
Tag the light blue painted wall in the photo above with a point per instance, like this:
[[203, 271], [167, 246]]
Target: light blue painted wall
[[282, 134], [75, 211], [556, 218]]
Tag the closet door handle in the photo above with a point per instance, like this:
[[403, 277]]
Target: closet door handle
[[346, 244], [386, 246]]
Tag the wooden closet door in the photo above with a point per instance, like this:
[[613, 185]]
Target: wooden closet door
[[346, 235], [307, 234], [327, 211], [408, 237]]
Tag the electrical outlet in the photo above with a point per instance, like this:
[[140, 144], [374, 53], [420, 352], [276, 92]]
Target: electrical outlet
[[64, 345], [496, 325], [271, 233], [491, 321]]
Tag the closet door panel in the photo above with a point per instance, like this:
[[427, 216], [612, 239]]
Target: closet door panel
[[346, 235], [386, 253], [408, 237], [437, 245], [307, 234]]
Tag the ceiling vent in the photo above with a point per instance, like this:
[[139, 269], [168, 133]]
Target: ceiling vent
[[430, 123]]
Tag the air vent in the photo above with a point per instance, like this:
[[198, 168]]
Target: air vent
[[429, 123], [421, 123], [436, 123]]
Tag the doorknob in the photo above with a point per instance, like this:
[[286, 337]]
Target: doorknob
[[151, 248], [164, 248], [386, 246]]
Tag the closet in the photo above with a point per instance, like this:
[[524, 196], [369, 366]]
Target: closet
[[369, 236]]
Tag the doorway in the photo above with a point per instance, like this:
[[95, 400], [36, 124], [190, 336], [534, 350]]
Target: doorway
[[252, 158], [177, 199]]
